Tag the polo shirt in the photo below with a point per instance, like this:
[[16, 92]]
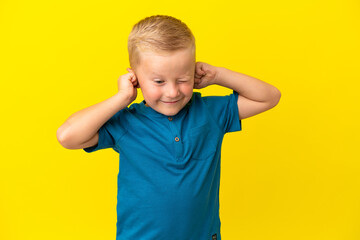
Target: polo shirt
[[169, 169]]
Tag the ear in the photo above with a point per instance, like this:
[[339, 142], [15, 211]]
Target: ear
[[130, 70]]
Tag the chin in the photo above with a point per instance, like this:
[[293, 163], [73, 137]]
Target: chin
[[170, 112]]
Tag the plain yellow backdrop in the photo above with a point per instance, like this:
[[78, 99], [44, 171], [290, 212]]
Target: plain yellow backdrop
[[293, 172]]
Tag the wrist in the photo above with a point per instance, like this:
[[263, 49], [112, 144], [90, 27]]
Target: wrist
[[219, 76], [124, 98]]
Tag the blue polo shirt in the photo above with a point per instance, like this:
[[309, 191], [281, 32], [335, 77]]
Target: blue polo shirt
[[169, 170]]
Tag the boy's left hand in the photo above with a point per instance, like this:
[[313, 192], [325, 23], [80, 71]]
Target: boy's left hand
[[205, 75]]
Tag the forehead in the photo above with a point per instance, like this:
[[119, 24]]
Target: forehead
[[161, 63]]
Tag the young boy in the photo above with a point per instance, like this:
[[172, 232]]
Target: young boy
[[170, 143]]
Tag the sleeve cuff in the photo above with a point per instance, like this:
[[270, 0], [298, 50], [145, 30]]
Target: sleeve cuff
[[98, 145], [236, 123]]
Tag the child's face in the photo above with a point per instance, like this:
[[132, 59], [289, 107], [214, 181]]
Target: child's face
[[167, 81]]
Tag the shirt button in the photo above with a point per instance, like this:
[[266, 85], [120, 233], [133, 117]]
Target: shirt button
[[177, 139], [170, 118]]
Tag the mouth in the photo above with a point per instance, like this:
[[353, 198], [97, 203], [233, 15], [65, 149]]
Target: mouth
[[171, 102]]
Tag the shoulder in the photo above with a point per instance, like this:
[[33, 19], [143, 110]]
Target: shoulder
[[214, 100], [200, 107], [222, 110], [133, 109], [124, 115]]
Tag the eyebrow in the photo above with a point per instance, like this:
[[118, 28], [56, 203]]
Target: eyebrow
[[153, 74]]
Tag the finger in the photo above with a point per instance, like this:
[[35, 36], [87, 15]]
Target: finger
[[200, 68], [197, 66], [196, 86], [132, 76], [134, 83], [131, 71], [198, 75], [133, 80]]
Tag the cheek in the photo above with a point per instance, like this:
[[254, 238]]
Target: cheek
[[151, 92], [187, 89]]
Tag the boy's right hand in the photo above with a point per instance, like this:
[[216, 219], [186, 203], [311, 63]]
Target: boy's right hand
[[128, 84]]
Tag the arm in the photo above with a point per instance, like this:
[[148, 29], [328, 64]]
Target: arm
[[255, 96], [80, 130]]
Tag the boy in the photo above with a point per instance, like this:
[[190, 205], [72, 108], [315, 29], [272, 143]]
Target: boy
[[170, 143]]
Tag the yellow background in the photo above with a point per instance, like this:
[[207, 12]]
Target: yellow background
[[292, 173]]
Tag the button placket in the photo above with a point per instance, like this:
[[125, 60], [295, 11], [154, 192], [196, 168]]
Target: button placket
[[175, 138]]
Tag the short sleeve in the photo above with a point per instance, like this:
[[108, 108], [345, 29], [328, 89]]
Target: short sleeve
[[224, 110], [109, 133]]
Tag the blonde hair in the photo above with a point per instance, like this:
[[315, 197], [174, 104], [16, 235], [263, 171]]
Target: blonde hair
[[158, 33]]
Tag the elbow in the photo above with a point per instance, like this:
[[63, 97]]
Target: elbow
[[276, 95], [62, 137]]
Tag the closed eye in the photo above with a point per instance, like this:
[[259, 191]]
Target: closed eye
[[158, 81], [183, 81]]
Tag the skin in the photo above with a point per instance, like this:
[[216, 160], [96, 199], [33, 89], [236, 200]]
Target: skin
[[166, 80]]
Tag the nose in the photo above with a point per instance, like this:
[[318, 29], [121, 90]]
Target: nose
[[172, 91]]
